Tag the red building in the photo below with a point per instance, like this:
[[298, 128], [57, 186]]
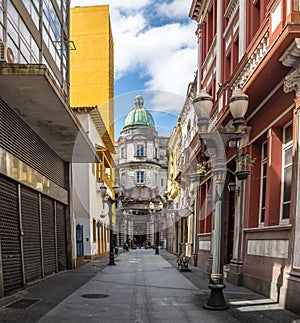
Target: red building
[[255, 46]]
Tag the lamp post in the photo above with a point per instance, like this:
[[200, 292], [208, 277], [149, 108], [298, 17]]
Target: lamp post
[[156, 223], [216, 140], [110, 201]]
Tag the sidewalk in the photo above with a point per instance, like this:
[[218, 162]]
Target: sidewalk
[[142, 287]]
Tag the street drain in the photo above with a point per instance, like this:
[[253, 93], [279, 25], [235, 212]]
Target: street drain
[[22, 303], [94, 295]]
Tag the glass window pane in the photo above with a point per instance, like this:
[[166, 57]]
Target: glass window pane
[[262, 215], [265, 150], [289, 133], [288, 156], [287, 184], [286, 211], [264, 169], [263, 194]]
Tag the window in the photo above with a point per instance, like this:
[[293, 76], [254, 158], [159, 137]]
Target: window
[[155, 153], [263, 181], [287, 161], [140, 150], [140, 177], [123, 152], [94, 230], [162, 182], [123, 179]]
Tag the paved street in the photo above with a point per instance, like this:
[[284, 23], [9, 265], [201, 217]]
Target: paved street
[[142, 287]]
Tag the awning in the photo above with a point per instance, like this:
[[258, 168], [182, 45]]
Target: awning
[[32, 93]]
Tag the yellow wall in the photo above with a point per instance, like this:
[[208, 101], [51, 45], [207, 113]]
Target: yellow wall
[[92, 63]]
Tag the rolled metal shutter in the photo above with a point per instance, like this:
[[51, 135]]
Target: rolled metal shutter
[[61, 236], [32, 234], [48, 234], [19, 139], [9, 234]]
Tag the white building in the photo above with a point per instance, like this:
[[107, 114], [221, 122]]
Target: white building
[[91, 212], [142, 172]]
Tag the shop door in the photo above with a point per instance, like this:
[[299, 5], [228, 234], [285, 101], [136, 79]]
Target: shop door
[[9, 235], [31, 234], [48, 234], [61, 236]]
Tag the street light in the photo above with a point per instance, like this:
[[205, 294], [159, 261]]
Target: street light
[[156, 214], [110, 201], [216, 139], [126, 215]]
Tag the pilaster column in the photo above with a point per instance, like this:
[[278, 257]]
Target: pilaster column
[[292, 83], [219, 176], [242, 28], [236, 264], [219, 42]]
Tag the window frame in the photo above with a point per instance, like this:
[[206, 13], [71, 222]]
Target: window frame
[[140, 150], [285, 147], [140, 177], [263, 182]]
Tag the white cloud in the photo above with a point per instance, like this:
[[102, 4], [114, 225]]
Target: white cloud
[[175, 9], [166, 53]]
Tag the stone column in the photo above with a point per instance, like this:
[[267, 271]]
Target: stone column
[[216, 300], [291, 58], [236, 264]]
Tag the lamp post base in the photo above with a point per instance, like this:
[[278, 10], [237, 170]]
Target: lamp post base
[[216, 300], [111, 260]]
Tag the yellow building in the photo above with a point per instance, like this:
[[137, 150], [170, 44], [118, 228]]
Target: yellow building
[[92, 62], [91, 97]]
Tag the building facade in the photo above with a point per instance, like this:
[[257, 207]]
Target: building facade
[[141, 161], [38, 135], [94, 54], [181, 193], [91, 96], [253, 46]]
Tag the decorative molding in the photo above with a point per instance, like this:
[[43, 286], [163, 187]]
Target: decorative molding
[[253, 62], [210, 57], [292, 81], [204, 245], [291, 56], [268, 248]]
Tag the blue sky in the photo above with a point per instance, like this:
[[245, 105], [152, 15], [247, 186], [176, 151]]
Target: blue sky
[[155, 56]]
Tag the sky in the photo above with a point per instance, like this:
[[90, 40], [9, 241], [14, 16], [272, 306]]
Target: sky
[[155, 54]]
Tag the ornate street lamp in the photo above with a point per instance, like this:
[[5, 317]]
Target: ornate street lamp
[[110, 201], [216, 139], [156, 223]]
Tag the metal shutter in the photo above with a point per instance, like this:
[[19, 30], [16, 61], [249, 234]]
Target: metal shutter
[[61, 236], [32, 235], [20, 140], [48, 234], [9, 234]]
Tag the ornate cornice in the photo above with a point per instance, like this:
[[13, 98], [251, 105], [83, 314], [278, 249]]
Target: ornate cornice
[[291, 56], [292, 81]]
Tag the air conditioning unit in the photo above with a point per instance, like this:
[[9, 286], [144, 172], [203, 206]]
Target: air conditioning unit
[[6, 53]]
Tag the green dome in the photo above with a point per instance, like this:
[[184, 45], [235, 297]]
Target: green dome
[[139, 116]]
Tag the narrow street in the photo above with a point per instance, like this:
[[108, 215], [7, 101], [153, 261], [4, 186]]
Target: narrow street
[[142, 287]]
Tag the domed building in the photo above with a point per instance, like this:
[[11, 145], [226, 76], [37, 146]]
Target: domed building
[[141, 171]]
